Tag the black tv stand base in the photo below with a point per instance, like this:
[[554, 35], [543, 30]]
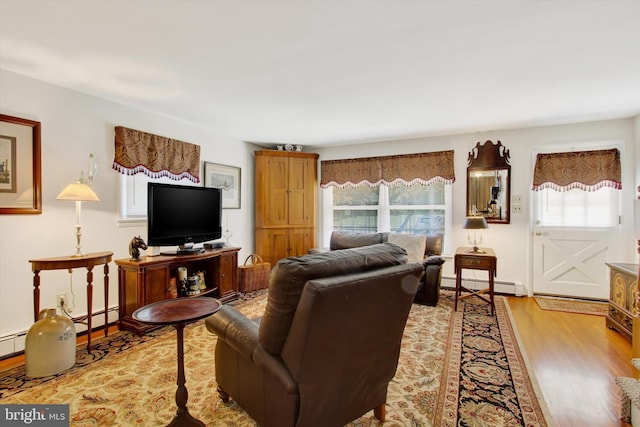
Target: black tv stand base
[[183, 251]]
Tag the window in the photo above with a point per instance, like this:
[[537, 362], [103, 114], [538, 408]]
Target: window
[[577, 208], [133, 195], [414, 209]]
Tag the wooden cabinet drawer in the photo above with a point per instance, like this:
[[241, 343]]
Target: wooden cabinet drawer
[[474, 262]]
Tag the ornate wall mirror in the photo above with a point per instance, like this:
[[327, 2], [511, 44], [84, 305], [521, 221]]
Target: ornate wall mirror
[[489, 182]]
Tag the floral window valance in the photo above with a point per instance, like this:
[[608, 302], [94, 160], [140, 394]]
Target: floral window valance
[[586, 170], [423, 168], [155, 156]]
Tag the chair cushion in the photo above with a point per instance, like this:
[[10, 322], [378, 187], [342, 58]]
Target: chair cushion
[[291, 274], [414, 244], [354, 240]]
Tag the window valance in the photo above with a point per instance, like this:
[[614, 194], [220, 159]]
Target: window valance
[[586, 170], [155, 156], [423, 168]]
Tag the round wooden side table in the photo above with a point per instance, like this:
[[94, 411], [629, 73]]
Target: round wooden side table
[[179, 312]]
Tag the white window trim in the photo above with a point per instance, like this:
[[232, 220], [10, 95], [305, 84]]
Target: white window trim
[[327, 214], [124, 218]]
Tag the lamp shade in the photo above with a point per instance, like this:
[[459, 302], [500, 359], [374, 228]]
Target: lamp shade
[[475, 223], [78, 191]]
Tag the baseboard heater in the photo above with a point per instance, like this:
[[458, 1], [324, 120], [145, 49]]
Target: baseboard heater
[[500, 286]]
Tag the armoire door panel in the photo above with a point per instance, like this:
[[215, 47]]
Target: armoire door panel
[[301, 240], [272, 244], [302, 192], [278, 191]]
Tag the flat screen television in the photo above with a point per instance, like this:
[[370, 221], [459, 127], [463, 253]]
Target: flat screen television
[[181, 215]]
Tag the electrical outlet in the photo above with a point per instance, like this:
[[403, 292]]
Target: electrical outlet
[[516, 208], [61, 300], [516, 199]]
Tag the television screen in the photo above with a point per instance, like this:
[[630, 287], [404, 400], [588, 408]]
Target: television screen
[[180, 215]]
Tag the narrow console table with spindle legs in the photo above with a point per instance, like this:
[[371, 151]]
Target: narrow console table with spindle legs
[[87, 261]]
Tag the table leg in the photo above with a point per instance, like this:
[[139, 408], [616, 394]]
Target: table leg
[[491, 274], [89, 306], [182, 417], [458, 284], [36, 295], [106, 299]]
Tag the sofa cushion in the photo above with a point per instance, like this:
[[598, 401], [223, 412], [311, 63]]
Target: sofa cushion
[[354, 240], [291, 274], [414, 244]]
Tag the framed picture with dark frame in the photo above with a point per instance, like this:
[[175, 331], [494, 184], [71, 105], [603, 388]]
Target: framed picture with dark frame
[[20, 174], [226, 178]]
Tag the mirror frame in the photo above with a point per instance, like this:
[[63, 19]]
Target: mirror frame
[[488, 156]]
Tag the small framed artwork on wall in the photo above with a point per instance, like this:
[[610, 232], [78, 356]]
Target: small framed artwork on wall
[[227, 178], [20, 182]]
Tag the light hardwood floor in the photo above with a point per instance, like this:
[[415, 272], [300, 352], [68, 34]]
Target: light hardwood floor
[[574, 358]]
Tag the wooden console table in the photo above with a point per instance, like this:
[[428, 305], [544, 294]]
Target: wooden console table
[[485, 260], [147, 281], [87, 261]]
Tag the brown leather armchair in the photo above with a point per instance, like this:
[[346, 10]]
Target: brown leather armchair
[[428, 291], [328, 342]]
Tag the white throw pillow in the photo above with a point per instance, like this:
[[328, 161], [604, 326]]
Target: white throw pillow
[[414, 244]]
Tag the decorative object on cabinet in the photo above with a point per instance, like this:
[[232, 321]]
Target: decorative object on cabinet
[[228, 179], [135, 245], [227, 234], [489, 182], [623, 298], [152, 279], [20, 173], [286, 186], [475, 223], [50, 345], [78, 192]]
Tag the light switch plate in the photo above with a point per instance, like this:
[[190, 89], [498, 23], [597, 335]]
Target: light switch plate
[[517, 199]]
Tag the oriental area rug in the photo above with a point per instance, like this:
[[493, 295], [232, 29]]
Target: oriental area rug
[[569, 305], [455, 369]]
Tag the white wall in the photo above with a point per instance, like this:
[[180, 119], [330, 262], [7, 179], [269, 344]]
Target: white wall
[[512, 242], [73, 126]]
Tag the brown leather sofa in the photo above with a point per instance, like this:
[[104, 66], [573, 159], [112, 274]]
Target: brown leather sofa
[[429, 287], [328, 342]]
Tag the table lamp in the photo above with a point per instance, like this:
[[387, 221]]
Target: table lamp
[[475, 223], [78, 192]]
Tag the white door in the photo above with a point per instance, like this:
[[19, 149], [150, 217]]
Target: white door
[[570, 262], [574, 236]]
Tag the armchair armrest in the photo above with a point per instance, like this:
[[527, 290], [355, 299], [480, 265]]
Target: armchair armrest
[[235, 329], [241, 334], [433, 260]]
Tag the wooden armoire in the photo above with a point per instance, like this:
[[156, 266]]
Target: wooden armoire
[[286, 185]]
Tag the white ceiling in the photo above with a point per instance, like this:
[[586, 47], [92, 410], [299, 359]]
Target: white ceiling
[[336, 72]]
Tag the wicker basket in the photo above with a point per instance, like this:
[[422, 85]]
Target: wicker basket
[[254, 276]]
